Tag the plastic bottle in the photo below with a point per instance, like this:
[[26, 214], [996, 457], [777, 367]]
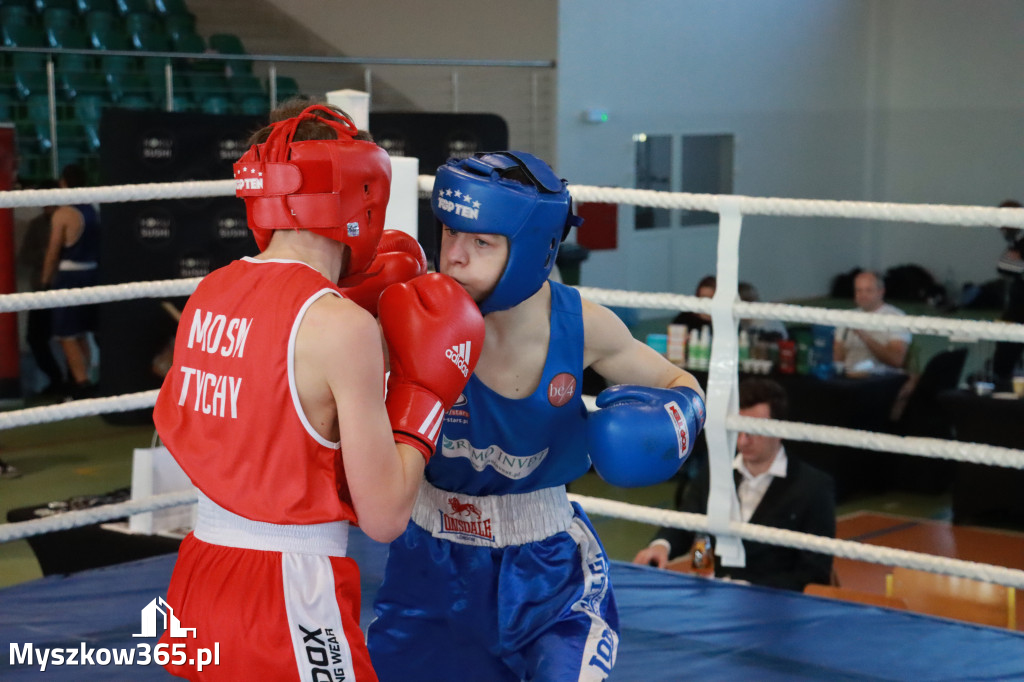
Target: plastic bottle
[[744, 345], [705, 347], [693, 350], [677, 343], [702, 553]]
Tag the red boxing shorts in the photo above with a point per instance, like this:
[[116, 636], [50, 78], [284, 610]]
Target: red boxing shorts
[[271, 615]]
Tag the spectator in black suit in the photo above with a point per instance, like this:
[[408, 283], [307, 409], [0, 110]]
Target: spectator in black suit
[[774, 489]]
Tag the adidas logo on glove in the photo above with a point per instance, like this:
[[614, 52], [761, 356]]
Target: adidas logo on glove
[[459, 354]]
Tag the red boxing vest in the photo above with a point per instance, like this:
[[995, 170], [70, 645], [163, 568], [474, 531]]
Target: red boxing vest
[[228, 410]]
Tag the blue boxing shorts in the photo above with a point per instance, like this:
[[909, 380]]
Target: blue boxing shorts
[[467, 595], [74, 320]]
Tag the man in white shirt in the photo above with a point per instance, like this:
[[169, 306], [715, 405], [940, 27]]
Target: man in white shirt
[[871, 352], [774, 490]]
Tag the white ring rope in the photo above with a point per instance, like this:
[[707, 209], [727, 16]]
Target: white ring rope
[[977, 216], [822, 208], [189, 189], [936, 448], [98, 294], [935, 214], [919, 324], [846, 549], [961, 329], [87, 407], [88, 517]]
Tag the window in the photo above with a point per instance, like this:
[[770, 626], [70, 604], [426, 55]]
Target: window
[[707, 169], [653, 171]]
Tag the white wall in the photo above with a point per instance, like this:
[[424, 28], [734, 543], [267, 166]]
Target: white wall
[[887, 100], [526, 30], [453, 29], [893, 100], [951, 125]]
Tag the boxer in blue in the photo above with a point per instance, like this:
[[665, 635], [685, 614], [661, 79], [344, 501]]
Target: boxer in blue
[[499, 576]]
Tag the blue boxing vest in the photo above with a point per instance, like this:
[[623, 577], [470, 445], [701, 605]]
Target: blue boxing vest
[[86, 248], [493, 445]]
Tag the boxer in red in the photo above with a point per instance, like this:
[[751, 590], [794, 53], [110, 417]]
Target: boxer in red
[[275, 407]]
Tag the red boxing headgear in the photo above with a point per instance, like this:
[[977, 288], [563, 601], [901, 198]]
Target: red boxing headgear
[[335, 188]]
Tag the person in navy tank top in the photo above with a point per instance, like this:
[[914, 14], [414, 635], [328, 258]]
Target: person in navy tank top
[[498, 576], [72, 261]]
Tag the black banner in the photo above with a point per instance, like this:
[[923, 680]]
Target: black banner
[[433, 139], [166, 239]]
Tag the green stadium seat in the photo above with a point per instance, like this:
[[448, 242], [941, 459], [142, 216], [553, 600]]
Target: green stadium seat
[[59, 17], [226, 43], [86, 6], [151, 41], [8, 106], [15, 15], [154, 67], [287, 87], [23, 35], [216, 104], [229, 43], [89, 108], [68, 38], [254, 105], [122, 79], [104, 36], [135, 102], [138, 22], [37, 128], [37, 109], [168, 7], [67, 155], [43, 5], [181, 102], [244, 85], [192, 43], [177, 24], [202, 84], [158, 87], [102, 20], [29, 72], [126, 7], [77, 74]]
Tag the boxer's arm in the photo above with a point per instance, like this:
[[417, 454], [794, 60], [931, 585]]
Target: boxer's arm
[[340, 375], [611, 351], [893, 352], [434, 333], [64, 219], [839, 345]]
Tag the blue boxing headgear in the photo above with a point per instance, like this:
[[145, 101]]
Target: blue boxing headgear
[[514, 194]]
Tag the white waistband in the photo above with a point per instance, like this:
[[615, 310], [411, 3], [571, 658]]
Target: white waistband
[[218, 526], [492, 520], [74, 265]]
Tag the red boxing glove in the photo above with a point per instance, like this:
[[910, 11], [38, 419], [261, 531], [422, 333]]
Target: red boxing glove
[[435, 332], [399, 258]]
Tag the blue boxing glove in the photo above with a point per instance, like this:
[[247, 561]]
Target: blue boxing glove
[[641, 436]]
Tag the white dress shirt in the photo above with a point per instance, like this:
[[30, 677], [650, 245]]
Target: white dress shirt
[[752, 488]]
